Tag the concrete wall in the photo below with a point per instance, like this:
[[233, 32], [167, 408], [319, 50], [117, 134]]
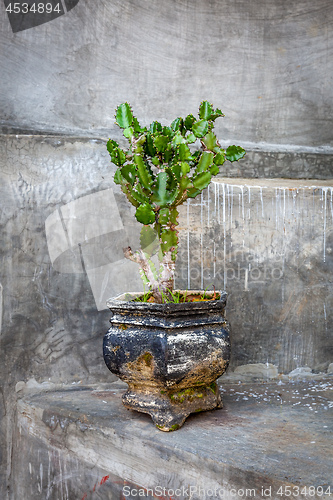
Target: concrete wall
[[268, 65]]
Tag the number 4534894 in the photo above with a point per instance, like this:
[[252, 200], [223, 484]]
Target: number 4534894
[[308, 491], [35, 8]]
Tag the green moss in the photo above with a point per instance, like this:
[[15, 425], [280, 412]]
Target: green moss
[[123, 327], [188, 394], [147, 357], [174, 427], [213, 387]]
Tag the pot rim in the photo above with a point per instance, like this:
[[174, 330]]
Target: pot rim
[[121, 302]]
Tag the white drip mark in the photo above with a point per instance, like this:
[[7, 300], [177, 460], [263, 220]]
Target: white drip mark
[[246, 279], [66, 476], [1, 306], [284, 208], [294, 212], [188, 246], [61, 477], [224, 242], [49, 475], [229, 217], [215, 198], [208, 199], [262, 202], [277, 196], [242, 195], [232, 202], [324, 237]]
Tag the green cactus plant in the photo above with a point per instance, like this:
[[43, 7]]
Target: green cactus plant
[[159, 171]]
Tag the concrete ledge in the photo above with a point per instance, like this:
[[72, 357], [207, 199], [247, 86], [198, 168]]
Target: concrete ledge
[[83, 444]]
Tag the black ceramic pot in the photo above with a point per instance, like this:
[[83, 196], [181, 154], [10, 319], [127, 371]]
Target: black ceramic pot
[[170, 355]]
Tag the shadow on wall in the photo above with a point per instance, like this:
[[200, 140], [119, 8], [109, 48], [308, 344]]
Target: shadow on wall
[[88, 235]]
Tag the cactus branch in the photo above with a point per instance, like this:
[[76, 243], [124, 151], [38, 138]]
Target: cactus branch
[[158, 172], [140, 258]]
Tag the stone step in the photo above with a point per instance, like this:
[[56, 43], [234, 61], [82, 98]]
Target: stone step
[[270, 440]]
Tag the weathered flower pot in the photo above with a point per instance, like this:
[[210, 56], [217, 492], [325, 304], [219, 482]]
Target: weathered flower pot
[[170, 355]]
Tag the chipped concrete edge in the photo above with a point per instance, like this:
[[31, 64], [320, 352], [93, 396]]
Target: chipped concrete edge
[[269, 372], [243, 373]]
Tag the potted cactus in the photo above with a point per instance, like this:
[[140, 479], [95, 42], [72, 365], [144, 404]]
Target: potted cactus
[[169, 346]]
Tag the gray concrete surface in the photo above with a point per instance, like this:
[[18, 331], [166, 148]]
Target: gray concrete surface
[[267, 64], [61, 255], [268, 440]]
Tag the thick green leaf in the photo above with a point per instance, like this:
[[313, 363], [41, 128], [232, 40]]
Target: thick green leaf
[[175, 170], [137, 127], [155, 127], [167, 131], [138, 195], [156, 161], [174, 216], [149, 240], [118, 178], [117, 155], [205, 161], [140, 140], [177, 139], [202, 180], [193, 192], [172, 180], [191, 138], [177, 124], [128, 132], [184, 152], [164, 216], [169, 239], [215, 114], [145, 214], [168, 154], [185, 167], [210, 141], [160, 194], [128, 172], [200, 128], [235, 153], [161, 142], [124, 115], [149, 145], [214, 169], [188, 122], [185, 183], [220, 157], [205, 110], [143, 172], [128, 192]]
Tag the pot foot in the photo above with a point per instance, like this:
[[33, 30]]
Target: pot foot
[[169, 409]]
